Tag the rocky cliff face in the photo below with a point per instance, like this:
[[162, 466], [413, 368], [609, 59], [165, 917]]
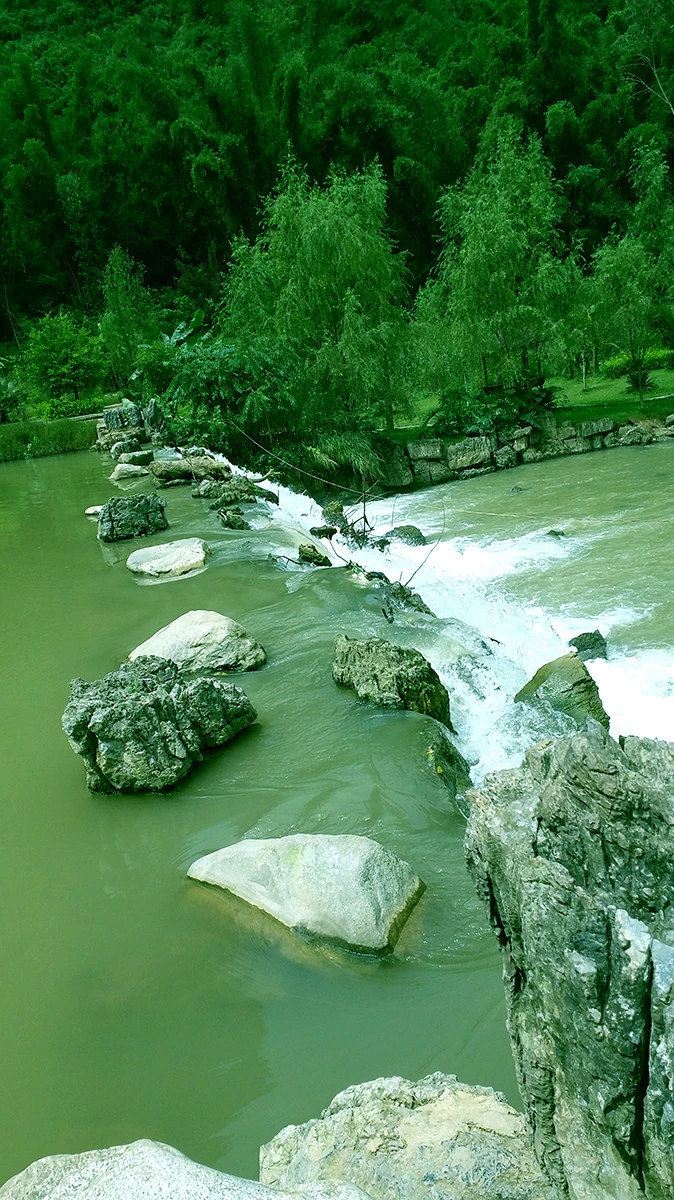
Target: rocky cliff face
[[573, 854]]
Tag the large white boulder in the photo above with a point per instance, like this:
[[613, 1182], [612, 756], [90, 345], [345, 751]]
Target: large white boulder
[[204, 641], [127, 471], [435, 1139], [148, 1171], [342, 887], [172, 558]]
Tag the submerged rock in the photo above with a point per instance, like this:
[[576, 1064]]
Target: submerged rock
[[311, 556], [147, 1170], [448, 763], [126, 517], [144, 726], [409, 534], [590, 645], [434, 1139], [127, 471], [389, 675], [172, 558], [94, 510], [566, 685], [343, 888], [572, 854], [204, 641]]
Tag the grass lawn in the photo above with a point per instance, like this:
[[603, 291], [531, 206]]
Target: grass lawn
[[610, 398]]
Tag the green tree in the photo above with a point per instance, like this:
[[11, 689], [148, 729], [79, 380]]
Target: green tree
[[129, 317], [59, 358], [625, 283]]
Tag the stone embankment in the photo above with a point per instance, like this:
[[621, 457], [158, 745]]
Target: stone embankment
[[439, 460]]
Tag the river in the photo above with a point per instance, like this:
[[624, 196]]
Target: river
[[135, 1003]]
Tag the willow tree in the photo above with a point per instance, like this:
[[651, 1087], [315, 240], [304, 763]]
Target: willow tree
[[502, 286]]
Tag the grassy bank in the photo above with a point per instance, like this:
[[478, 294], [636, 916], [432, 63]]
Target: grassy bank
[[36, 439]]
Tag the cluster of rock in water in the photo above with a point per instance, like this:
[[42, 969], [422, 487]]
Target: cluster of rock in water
[[572, 854]]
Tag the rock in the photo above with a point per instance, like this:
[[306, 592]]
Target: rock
[[333, 513], [342, 888], [144, 726], [432, 472], [118, 439], [389, 675], [323, 531], [572, 854], [505, 458], [137, 458], [230, 492], [592, 428], [395, 470], [125, 415], [204, 641], [126, 445], [408, 534], [312, 556], [188, 470], [577, 445], [469, 452], [147, 1170], [566, 685], [669, 421], [172, 558], [436, 1139], [632, 435], [166, 454], [94, 510], [590, 645], [532, 456], [126, 471], [233, 518], [430, 449], [155, 422], [448, 763], [556, 533], [126, 517]]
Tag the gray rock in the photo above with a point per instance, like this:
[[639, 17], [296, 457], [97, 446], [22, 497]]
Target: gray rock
[[469, 452], [311, 556], [432, 448], [94, 510], [144, 726], [137, 458], [229, 492], [505, 458], [346, 889], [598, 426], [590, 645], [436, 1139], [170, 560], [147, 1170], [669, 421], [188, 470], [155, 422], [204, 641], [556, 533], [572, 854], [126, 517], [125, 415], [566, 685], [432, 472], [323, 531], [633, 435], [577, 445], [233, 518], [126, 471], [391, 676], [125, 445], [408, 534]]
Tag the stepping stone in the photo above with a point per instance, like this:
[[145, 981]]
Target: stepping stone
[[171, 559]]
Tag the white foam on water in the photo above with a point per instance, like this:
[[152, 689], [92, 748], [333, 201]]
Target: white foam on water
[[486, 643]]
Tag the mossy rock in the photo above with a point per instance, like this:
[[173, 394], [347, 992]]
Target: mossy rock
[[566, 685]]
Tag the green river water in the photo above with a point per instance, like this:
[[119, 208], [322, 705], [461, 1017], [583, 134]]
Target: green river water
[[135, 1003]]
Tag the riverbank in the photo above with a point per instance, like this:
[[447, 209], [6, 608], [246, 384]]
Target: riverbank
[[40, 439]]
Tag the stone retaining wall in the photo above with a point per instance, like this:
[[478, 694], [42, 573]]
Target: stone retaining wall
[[438, 460]]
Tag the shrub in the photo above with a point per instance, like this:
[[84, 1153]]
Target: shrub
[[37, 439], [58, 362], [657, 359]]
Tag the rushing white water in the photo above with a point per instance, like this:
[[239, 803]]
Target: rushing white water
[[487, 641]]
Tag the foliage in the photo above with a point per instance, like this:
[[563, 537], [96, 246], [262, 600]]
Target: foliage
[[58, 362], [654, 360], [129, 317], [36, 439], [625, 282]]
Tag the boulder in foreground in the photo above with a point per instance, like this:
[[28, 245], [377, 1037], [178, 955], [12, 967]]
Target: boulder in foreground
[[572, 854], [346, 889], [172, 558], [392, 676], [147, 1170], [204, 641], [435, 1139], [125, 517], [566, 685], [144, 726]]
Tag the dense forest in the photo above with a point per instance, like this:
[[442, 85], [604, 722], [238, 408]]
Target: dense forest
[[311, 220]]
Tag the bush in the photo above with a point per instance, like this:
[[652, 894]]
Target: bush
[[58, 363], [37, 439], [657, 359]]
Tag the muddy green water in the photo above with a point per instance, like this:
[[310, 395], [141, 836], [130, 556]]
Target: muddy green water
[[135, 1003]]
